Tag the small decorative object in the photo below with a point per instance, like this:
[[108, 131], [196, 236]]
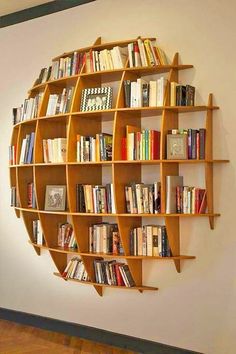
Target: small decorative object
[[96, 99], [55, 198], [177, 146]]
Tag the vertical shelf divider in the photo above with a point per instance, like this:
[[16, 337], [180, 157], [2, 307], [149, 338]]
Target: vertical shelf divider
[[209, 165]]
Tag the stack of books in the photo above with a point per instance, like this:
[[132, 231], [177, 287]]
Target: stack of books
[[106, 59], [31, 201], [184, 199], [181, 95], [98, 148], [60, 103], [95, 198], [149, 240], [144, 145], [145, 53], [66, 237], [38, 233], [63, 67], [27, 148], [54, 150], [143, 198], [142, 93], [75, 270], [28, 110], [105, 238], [113, 273]]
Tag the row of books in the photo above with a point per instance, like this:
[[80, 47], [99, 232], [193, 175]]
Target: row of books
[[28, 110], [181, 95], [14, 201], [66, 237], [75, 270], [98, 148], [113, 273], [31, 200], [143, 198], [190, 200], [144, 145], [149, 240], [186, 144], [106, 59], [27, 148], [105, 238], [145, 53], [54, 150], [60, 103], [38, 233], [95, 198], [184, 199], [12, 155], [63, 67], [142, 93]]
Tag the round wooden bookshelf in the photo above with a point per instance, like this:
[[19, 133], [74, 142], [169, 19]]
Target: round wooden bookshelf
[[70, 173]]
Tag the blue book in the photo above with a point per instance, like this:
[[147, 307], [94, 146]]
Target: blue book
[[31, 149]]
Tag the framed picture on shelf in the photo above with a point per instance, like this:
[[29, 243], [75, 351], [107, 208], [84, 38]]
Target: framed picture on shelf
[[55, 198], [96, 99], [177, 146]]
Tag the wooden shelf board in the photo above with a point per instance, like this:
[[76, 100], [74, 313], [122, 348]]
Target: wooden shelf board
[[117, 214], [157, 69], [142, 288], [120, 162], [159, 110], [107, 255]]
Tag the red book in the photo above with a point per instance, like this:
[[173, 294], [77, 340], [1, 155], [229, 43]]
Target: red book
[[120, 281], [155, 145], [123, 149], [197, 200], [203, 205]]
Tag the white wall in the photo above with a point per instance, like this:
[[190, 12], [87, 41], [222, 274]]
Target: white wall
[[194, 309]]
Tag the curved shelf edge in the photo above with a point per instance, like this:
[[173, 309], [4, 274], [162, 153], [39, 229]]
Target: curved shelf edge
[[139, 288], [106, 255]]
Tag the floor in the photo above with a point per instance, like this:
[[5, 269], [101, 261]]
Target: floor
[[19, 339]]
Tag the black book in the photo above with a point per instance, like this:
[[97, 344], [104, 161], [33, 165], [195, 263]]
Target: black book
[[181, 95], [128, 275], [194, 144], [202, 139], [190, 94], [145, 94], [127, 90]]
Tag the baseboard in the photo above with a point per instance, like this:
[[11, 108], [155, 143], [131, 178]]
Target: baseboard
[[39, 11], [91, 333]]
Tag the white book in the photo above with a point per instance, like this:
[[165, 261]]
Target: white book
[[50, 150], [130, 146], [142, 52], [121, 54], [55, 150], [78, 151], [140, 241], [153, 93], [113, 208], [149, 240], [61, 149], [130, 54], [162, 82], [133, 94], [22, 153], [39, 234]]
